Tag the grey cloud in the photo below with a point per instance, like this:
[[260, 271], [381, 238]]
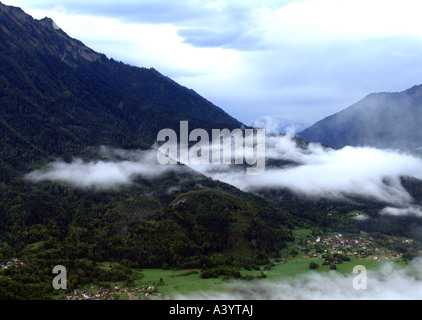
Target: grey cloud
[[232, 39], [231, 26], [160, 11], [305, 78], [366, 65], [146, 11], [314, 80]]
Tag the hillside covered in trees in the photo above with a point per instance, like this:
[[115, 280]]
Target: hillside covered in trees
[[62, 100]]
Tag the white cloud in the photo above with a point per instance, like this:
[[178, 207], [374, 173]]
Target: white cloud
[[361, 217], [406, 211], [325, 172], [318, 172], [120, 169]]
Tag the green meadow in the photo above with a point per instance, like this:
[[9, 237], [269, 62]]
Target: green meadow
[[173, 283], [187, 283]]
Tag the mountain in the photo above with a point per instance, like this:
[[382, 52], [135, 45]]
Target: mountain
[[62, 100], [58, 97], [383, 120]]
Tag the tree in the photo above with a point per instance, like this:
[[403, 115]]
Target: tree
[[313, 265], [293, 252]]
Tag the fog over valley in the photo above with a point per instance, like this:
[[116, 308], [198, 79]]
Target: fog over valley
[[159, 151], [312, 170]]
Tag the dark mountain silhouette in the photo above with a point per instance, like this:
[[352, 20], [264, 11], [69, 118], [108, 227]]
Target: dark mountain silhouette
[[383, 120], [58, 96]]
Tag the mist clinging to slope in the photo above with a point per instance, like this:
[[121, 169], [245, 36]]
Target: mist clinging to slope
[[317, 171], [311, 170], [119, 168]]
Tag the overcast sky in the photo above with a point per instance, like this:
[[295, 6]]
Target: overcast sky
[[288, 61]]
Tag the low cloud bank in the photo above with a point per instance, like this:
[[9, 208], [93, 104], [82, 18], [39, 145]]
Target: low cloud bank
[[390, 283], [412, 210], [313, 171], [120, 168], [330, 173]]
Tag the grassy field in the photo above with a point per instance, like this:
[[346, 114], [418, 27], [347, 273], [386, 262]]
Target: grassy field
[[177, 284], [171, 283]]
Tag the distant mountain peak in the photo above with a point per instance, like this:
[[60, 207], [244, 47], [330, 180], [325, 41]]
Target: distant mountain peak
[[385, 120]]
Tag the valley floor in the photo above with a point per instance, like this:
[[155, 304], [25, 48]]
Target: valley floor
[[295, 262]]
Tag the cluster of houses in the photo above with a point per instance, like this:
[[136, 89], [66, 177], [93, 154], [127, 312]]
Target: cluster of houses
[[15, 262], [359, 247], [338, 244], [111, 294], [337, 241]]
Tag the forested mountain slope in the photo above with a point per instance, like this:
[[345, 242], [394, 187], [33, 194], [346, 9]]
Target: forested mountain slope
[[61, 99], [58, 96], [383, 120]]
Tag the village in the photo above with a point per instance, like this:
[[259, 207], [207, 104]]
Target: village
[[308, 247], [337, 244], [137, 293]]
